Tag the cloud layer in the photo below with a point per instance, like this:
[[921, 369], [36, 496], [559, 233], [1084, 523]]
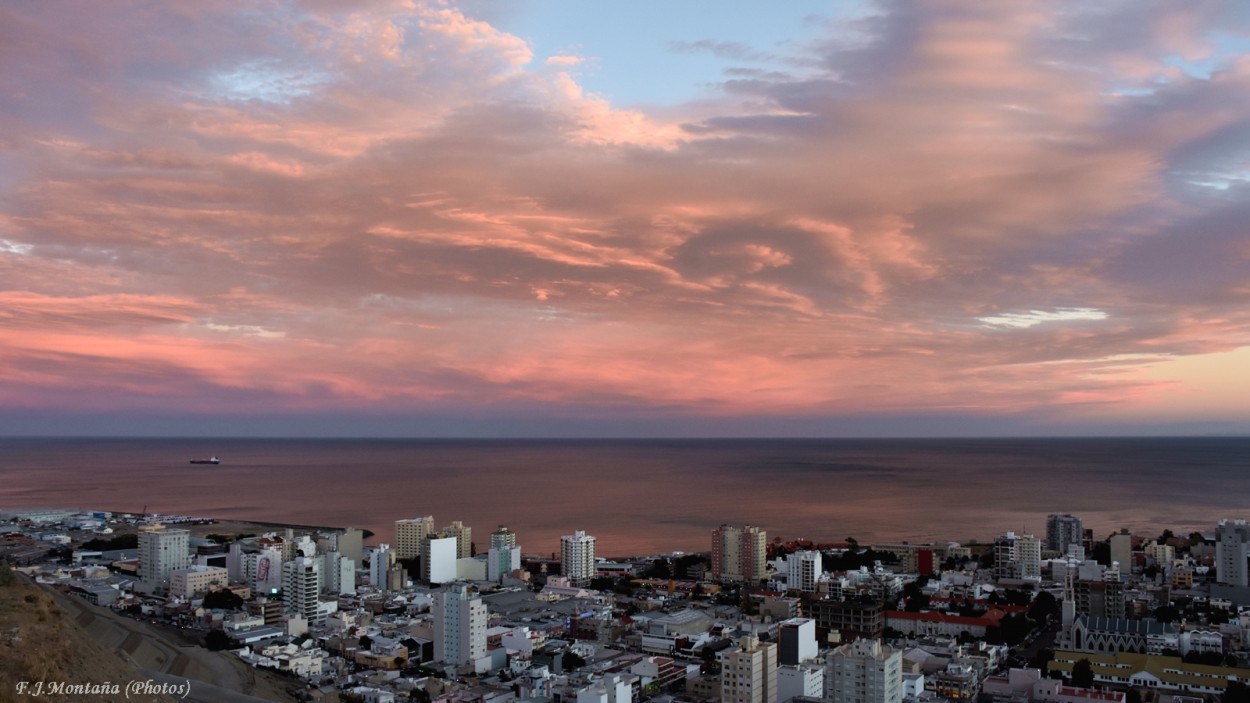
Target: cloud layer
[[1003, 209]]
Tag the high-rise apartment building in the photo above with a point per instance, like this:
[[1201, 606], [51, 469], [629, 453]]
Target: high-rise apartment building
[[1099, 597], [301, 585], [161, 550], [577, 558], [503, 537], [464, 538], [505, 554], [864, 671], [409, 534], [738, 553], [804, 569], [749, 674], [1063, 530], [459, 626], [338, 574], [1121, 544], [380, 563], [1018, 557], [438, 558], [351, 544], [797, 640], [1232, 551], [262, 570]]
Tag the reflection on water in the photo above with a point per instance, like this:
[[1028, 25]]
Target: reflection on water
[[641, 496]]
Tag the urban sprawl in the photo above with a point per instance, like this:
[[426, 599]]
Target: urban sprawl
[[434, 617]]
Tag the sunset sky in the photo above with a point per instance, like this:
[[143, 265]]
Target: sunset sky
[[558, 218]]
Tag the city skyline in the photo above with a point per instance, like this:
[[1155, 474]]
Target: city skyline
[[839, 219]]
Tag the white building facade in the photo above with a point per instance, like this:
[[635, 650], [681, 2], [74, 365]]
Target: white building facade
[[459, 627], [864, 671], [577, 558], [161, 551]]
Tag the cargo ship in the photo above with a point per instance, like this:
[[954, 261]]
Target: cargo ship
[[210, 460]]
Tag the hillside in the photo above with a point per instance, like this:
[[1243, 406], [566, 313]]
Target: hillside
[[39, 643]]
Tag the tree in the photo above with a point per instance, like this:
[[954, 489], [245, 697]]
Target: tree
[[1132, 696], [1011, 630], [223, 599], [748, 606], [1044, 606], [1167, 613], [1101, 553], [1236, 692], [365, 642], [1083, 674], [852, 545], [683, 564], [100, 544], [602, 583], [986, 560], [914, 598], [1206, 658], [1041, 661], [217, 640], [659, 569]]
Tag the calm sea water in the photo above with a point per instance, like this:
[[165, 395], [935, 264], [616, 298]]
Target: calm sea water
[[650, 496]]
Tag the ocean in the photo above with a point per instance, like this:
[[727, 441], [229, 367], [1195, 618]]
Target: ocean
[[652, 496]]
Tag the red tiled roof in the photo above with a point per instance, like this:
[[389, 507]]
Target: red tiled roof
[[989, 619]]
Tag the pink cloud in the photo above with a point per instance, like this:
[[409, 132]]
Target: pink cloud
[[390, 205]]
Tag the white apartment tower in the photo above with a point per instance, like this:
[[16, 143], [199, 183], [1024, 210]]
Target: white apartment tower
[[1029, 556], [438, 558], [339, 574], [262, 571], [1018, 557], [749, 674], [459, 626], [503, 537], [864, 671], [1232, 549], [409, 534], [301, 586], [738, 553], [577, 558], [161, 550], [380, 563], [804, 570]]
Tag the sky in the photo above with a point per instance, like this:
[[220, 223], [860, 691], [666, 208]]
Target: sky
[[557, 218]]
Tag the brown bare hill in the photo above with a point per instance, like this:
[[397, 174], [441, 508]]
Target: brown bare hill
[[38, 643]]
